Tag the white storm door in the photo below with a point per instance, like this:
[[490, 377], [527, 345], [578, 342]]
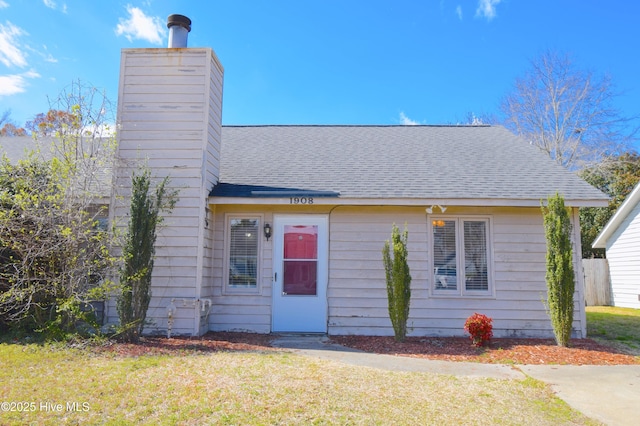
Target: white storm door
[[300, 274]]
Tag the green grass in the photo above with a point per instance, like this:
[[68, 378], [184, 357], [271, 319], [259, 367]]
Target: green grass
[[256, 388], [618, 327]]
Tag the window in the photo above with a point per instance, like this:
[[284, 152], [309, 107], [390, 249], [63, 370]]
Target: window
[[461, 255], [243, 247], [300, 260]]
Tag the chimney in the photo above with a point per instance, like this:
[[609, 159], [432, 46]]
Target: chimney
[[155, 111], [179, 27]]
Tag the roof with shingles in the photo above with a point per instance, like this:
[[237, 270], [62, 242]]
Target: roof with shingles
[[16, 148], [394, 162]]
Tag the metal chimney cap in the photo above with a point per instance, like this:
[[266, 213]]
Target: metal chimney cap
[[180, 20]]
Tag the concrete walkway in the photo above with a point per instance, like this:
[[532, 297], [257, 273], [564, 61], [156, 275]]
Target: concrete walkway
[[610, 394]]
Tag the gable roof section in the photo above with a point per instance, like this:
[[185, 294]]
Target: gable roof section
[[618, 218], [456, 165]]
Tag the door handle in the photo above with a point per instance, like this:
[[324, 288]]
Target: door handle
[[275, 277]]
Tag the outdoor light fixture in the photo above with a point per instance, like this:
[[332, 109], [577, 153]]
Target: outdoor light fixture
[[429, 210], [267, 231]]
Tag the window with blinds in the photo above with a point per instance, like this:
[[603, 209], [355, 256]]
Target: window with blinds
[[445, 260], [243, 252], [460, 255], [475, 255]]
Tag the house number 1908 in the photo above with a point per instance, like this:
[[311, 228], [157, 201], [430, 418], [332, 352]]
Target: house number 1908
[[301, 200]]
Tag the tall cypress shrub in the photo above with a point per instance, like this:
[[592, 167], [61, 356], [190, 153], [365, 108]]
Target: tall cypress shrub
[[560, 276], [139, 251], [398, 281]]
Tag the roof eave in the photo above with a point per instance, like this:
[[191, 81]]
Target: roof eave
[[461, 202], [620, 215]]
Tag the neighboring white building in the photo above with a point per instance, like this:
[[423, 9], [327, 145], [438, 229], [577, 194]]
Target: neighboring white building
[[621, 239]]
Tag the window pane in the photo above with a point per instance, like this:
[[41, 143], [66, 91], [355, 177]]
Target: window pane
[[475, 255], [300, 259], [300, 241], [243, 253], [444, 254], [300, 277]]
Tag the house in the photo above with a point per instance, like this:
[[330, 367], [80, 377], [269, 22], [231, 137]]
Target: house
[[281, 228], [621, 239]]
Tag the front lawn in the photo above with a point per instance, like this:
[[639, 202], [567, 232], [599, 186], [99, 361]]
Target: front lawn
[[47, 384], [618, 327], [53, 385]]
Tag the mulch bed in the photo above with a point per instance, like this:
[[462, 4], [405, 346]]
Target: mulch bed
[[498, 351], [210, 342]]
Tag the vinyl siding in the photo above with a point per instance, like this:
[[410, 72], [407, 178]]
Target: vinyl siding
[[169, 110], [357, 297], [248, 311], [623, 254]]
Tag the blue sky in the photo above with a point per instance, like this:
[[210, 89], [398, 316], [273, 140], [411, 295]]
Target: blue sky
[[323, 62]]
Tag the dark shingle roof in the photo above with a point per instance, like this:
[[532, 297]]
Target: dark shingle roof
[[17, 148], [394, 162]]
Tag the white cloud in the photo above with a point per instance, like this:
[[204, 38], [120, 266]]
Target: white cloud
[[459, 12], [487, 9], [51, 4], [15, 83], [10, 54], [141, 26], [406, 121], [3, 4], [48, 57]]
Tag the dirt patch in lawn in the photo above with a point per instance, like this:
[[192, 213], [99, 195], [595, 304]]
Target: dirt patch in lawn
[[498, 351]]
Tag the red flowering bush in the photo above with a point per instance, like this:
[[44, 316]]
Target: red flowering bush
[[479, 328]]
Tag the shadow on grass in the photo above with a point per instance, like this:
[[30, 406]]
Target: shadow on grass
[[614, 326]]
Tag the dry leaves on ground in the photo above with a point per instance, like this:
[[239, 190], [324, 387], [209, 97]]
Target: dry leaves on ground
[[210, 342], [507, 351]]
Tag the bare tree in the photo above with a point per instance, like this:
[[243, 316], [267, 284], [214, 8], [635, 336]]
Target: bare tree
[[482, 119], [8, 127], [568, 113], [79, 130], [5, 117], [54, 248]]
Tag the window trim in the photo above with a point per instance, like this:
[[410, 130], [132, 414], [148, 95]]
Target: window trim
[[226, 288], [461, 291]]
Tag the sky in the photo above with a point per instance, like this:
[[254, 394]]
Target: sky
[[324, 62]]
